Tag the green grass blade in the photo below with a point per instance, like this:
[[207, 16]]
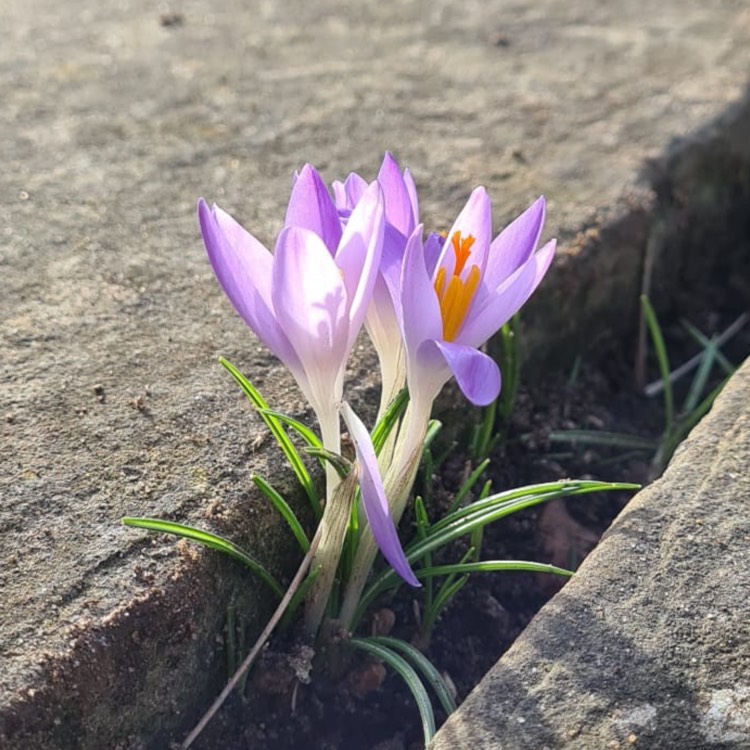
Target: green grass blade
[[492, 566], [389, 420], [283, 509], [212, 541], [481, 513], [663, 360], [425, 666], [409, 676], [714, 342], [600, 437], [301, 429], [468, 484], [698, 385], [274, 425]]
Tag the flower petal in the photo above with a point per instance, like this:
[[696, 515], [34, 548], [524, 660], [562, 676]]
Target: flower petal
[[358, 256], [420, 309], [311, 207], [374, 500], [477, 375], [475, 219], [310, 302], [243, 267], [515, 244], [398, 199], [497, 307]]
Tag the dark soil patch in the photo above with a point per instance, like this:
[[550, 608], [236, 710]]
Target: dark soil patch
[[369, 709]]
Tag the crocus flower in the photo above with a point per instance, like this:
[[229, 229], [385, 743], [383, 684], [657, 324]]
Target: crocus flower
[[401, 217], [373, 498], [449, 307], [308, 300]]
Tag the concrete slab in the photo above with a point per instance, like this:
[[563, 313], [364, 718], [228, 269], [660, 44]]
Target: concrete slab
[[115, 118]]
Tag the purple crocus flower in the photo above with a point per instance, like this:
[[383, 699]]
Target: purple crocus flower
[[308, 300], [373, 498], [451, 299], [401, 216]]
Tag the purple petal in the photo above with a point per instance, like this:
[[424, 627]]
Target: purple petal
[[411, 188], [499, 306], [311, 207], [515, 244], [243, 267], [477, 375], [310, 302], [420, 309], [373, 498], [398, 200], [358, 257], [475, 219]]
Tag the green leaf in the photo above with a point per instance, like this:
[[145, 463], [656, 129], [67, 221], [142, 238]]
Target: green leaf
[[283, 509], [301, 429], [467, 486], [409, 676], [480, 513], [298, 598], [600, 437], [425, 666], [492, 566], [275, 426], [663, 361], [212, 541], [389, 420], [342, 465]]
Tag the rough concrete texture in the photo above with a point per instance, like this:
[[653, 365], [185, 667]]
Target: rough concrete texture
[[116, 117], [649, 645]]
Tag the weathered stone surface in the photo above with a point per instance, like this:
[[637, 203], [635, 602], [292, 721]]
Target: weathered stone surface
[[113, 122], [649, 645]]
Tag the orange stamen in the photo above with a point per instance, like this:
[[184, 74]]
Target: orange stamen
[[455, 297]]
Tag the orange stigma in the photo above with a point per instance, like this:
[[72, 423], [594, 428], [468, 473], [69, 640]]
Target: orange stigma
[[456, 295]]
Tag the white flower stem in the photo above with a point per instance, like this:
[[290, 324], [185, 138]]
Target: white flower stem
[[332, 528]]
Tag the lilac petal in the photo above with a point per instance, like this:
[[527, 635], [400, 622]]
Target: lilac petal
[[359, 253], [420, 309], [374, 500], [311, 207], [398, 201], [499, 306], [309, 298], [411, 188], [347, 194], [243, 267], [475, 219], [477, 375], [515, 244]]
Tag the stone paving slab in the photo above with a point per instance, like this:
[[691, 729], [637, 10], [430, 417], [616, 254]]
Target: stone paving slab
[[649, 645], [116, 117]]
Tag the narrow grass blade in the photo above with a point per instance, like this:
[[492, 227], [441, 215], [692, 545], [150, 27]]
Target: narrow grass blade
[[425, 666], [663, 361], [468, 485], [409, 676], [493, 566], [698, 385], [301, 429], [283, 509], [715, 342], [389, 420], [274, 425], [481, 513], [600, 437], [207, 540], [342, 465]]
